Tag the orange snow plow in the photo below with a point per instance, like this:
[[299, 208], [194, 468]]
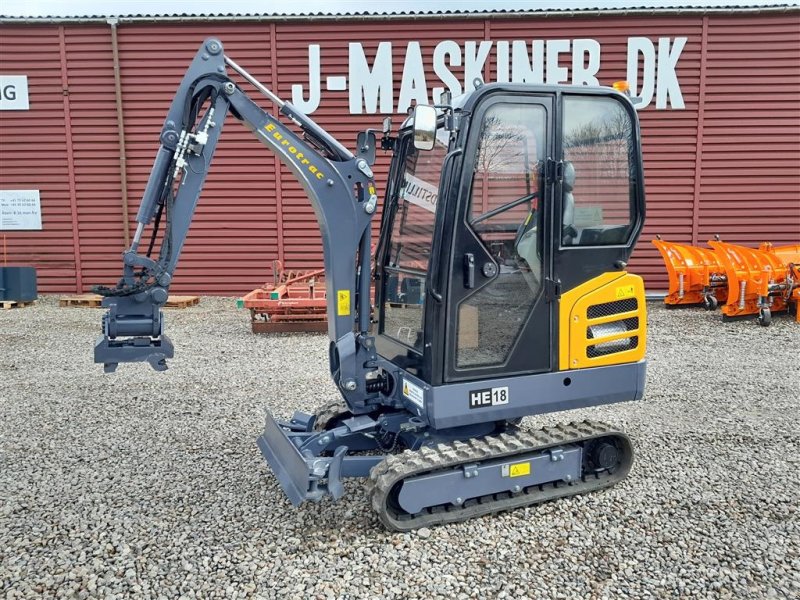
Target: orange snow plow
[[695, 275], [790, 255], [748, 281], [759, 281]]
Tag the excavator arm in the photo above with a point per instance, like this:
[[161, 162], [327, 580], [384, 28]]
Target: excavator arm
[[339, 185]]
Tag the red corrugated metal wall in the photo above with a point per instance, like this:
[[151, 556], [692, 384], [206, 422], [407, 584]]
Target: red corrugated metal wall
[[750, 178], [728, 164], [35, 154]]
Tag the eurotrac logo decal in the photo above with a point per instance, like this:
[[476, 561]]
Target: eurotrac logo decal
[[274, 130], [371, 80]]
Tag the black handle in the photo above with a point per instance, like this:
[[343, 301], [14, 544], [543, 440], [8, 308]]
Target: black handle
[[469, 270]]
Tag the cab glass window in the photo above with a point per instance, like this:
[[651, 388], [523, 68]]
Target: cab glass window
[[598, 175], [411, 236]]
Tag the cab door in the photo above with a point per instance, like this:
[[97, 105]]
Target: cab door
[[499, 318], [599, 195]]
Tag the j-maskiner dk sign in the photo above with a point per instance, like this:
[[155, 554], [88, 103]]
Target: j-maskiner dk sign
[[371, 80]]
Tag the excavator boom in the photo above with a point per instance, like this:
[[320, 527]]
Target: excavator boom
[[339, 185]]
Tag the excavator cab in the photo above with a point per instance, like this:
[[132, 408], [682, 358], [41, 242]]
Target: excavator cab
[[500, 290], [525, 195]]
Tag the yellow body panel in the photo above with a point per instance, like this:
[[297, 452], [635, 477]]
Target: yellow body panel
[[574, 341]]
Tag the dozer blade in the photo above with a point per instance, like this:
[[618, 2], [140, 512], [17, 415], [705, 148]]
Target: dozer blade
[[302, 477], [695, 274]]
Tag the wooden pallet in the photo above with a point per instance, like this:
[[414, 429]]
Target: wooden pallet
[[91, 300], [95, 301], [182, 301], [9, 304]]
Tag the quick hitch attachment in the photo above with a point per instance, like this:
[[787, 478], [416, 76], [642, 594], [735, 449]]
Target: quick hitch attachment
[[131, 337]]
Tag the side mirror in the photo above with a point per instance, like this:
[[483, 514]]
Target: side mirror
[[365, 146], [424, 127]]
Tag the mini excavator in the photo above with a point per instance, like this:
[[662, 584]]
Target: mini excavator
[[500, 285]]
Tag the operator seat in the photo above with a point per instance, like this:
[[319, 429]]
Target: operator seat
[[527, 242], [568, 232], [527, 250]]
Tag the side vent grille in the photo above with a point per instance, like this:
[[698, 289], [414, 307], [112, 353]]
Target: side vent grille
[[616, 330], [612, 308], [602, 349], [603, 322]]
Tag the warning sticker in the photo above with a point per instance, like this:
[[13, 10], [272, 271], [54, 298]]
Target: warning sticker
[[343, 303], [625, 291], [516, 469], [414, 393]]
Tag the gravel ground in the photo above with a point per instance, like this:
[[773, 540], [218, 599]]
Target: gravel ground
[[145, 484]]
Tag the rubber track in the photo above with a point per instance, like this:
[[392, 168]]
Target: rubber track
[[389, 472]]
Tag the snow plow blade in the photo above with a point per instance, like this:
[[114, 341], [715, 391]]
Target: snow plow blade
[[695, 275], [760, 281]]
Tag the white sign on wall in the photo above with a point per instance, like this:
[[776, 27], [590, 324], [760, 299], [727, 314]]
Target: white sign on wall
[[371, 81], [14, 92], [20, 210]]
